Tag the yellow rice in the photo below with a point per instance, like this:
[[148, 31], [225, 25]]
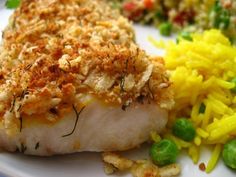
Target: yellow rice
[[201, 71]]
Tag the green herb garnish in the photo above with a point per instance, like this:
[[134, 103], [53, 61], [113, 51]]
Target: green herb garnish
[[202, 108], [21, 122], [122, 84], [12, 4], [13, 103], [36, 146], [186, 35], [221, 16], [234, 88], [23, 148], [76, 120]]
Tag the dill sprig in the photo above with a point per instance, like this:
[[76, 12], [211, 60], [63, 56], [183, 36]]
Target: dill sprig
[[122, 84], [76, 120], [36, 146], [13, 103], [23, 148], [21, 124]]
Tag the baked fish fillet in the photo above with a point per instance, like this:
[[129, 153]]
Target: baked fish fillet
[[72, 79]]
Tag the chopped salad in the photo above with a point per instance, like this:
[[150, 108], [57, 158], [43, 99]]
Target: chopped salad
[[182, 15]]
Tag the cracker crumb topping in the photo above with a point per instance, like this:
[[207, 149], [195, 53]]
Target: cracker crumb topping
[[56, 52]]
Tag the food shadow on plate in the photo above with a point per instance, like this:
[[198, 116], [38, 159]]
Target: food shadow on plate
[[80, 163]]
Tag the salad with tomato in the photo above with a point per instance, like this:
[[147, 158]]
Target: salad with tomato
[[182, 15]]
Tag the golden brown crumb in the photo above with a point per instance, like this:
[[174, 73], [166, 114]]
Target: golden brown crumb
[[202, 166], [54, 51], [117, 161], [109, 169], [140, 168]]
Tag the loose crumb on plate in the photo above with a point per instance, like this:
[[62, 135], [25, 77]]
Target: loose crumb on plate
[[202, 166]]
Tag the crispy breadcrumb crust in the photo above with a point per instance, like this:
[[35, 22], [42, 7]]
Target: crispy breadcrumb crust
[[59, 53], [139, 168]]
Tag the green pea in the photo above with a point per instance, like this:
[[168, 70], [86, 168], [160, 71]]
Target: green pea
[[184, 129], [186, 35], [164, 152], [229, 154], [165, 29], [234, 81]]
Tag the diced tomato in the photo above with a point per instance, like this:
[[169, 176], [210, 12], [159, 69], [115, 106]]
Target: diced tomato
[[129, 6], [136, 15], [149, 4], [184, 16], [132, 11]]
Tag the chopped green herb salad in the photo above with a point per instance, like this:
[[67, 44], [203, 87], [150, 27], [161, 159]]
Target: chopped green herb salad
[[187, 15]]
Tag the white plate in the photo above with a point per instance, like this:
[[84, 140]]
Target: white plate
[[90, 164]]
